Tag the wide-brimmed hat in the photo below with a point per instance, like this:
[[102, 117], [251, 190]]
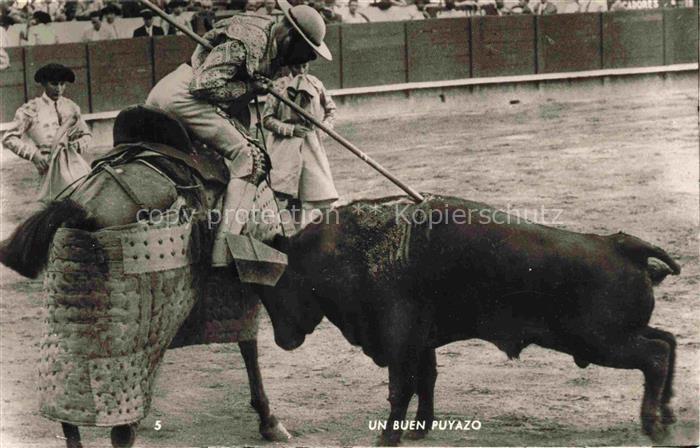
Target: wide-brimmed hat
[[309, 23], [54, 72], [146, 13]]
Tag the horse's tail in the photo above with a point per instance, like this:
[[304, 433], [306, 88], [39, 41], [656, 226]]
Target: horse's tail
[[27, 249]]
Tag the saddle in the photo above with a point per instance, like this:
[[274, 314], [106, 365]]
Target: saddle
[[139, 129]]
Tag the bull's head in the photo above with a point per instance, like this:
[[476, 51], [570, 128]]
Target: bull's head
[[292, 304]]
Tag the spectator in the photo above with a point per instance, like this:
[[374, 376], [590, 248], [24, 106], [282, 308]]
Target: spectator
[[130, 8], [240, 6], [148, 28], [178, 7], [450, 10], [387, 11], [300, 168], [491, 7], [85, 7], [268, 9], [331, 12], [523, 7], [110, 13], [47, 125], [204, 17], [13, 12], [545, 8], [352, 16], [55, 9], [418, 10], [38, 30], [97, 31]]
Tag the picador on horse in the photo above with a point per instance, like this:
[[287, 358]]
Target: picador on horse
[[128, 250]]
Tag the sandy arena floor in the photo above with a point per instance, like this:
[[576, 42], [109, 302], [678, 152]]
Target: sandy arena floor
[[603, 162]]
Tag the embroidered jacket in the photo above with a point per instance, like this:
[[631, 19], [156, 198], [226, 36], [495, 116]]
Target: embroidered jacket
[[242, 47], [37, 122]]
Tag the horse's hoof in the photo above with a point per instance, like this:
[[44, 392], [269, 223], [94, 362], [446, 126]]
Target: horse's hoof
[[385, 440], [276, 432], [72, 443], [415, 434], [123, 436], [667, 416], [654, 428]]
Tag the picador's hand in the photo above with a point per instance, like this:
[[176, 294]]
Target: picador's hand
[[41, 162], [261, 85]]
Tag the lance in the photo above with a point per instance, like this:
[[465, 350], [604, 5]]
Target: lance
[[334, 135]]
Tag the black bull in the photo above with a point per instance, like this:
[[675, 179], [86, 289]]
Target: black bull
[[400, 290]]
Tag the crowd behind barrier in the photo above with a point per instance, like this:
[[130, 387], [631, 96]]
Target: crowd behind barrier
[[376, 54], [41, 22]]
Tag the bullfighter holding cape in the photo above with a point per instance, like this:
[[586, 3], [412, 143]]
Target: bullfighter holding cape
[[50, 132]]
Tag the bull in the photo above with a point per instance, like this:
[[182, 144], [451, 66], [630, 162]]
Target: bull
[[400, 280]]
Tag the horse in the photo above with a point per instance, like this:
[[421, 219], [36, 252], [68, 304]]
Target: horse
[[113, 195]]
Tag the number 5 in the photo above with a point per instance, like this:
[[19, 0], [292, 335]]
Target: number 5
[[157, 426]]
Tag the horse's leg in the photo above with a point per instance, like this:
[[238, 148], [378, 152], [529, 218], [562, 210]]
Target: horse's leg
[[72, 435], [270, 428]]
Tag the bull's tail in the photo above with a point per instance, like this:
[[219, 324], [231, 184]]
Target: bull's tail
[[641, 252], [27, 249]]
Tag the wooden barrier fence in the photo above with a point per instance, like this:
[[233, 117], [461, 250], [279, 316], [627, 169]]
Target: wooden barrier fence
[[114, 74]]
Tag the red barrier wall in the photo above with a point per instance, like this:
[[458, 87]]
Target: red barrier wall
[[70, 55], [12, 85], [373, 54], [503, 46], [330, 71], [568, 43], [169, 52], [680, 35], [633, 39], [121, 72], [437, 49]]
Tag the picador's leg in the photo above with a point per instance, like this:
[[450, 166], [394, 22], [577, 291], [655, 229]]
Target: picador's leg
[[651, 356], [270, 428], [425, 389], [72, 435], [667, 417]]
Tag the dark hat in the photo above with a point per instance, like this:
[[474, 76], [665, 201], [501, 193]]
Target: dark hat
[[146, 13], [41, 17], [54, 72], [149, 124], [176, 3], [95, 14], [111, 9]]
